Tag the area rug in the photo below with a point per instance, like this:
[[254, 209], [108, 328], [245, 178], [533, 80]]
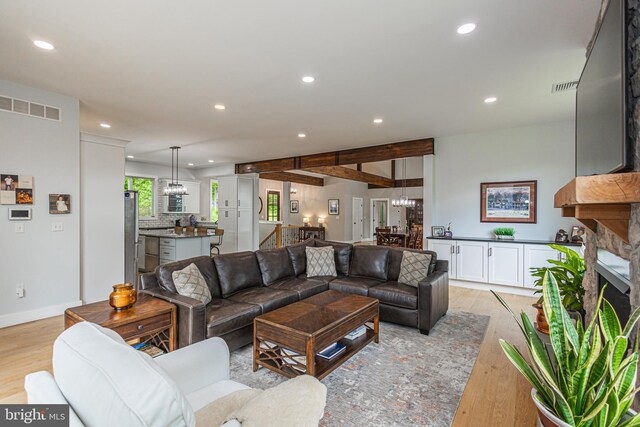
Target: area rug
[[407, 379]]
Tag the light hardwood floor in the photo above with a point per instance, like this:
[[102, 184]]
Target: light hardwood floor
[[495, 395]]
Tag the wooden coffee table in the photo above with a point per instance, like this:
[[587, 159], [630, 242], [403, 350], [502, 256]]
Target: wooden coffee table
[[286, 340]]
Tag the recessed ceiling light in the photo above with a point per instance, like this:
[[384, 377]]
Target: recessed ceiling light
[[210, 161], [308, 79], [129, 156], [105, 125], [302, 135], [377, 121], [466, 28], [219, 107], [490, 99], [190, 164], [43, 44]]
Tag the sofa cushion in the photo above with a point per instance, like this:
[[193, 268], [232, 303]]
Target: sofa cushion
[[353, 285], [225, 316], [304, 287], [394, 293], [274, 265], [321, 261], [237, 272], [342, 253], [298, 256], [414, 268], [190, 283], [164, 273], [93, 364], [395, 259], [268, 299], [369, 261]]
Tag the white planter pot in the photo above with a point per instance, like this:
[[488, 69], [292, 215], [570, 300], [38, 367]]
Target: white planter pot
[[505, 237]]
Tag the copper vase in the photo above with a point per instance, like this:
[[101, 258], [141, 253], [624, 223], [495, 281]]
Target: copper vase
[[541, 319], [123, 296]]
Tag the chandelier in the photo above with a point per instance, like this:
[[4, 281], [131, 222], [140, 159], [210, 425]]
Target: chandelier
[[174, 188], [404, 200]]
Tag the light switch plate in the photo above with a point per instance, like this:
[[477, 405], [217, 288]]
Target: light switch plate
[[19, 227], [57, 226]]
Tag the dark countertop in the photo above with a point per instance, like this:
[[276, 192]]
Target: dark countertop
[[487, 239], [208, 227], [171, 235]]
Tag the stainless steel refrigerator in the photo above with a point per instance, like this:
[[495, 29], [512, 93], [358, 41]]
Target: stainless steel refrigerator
[[131, 237]]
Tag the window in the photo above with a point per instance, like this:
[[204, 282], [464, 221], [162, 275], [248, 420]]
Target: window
[[273, 205], [214, 200], [145, 188]]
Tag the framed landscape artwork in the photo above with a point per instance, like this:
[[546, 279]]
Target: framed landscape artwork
[[334, 207], [508, 201]]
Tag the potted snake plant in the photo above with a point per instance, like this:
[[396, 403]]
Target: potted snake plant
[[588, 377], [568, 273]]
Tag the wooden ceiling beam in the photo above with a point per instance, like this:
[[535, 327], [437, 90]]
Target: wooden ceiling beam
[[398, 183], [375, 153], [353, 175], [293, 177]]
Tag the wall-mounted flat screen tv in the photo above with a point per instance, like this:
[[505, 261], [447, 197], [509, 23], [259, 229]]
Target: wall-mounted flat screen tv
[[601, 119]]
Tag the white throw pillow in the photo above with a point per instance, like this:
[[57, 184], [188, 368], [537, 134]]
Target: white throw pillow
[[414, 268], [108, 383], [320, 261], [190, 283]]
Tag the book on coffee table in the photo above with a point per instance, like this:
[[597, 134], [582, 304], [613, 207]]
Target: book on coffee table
[[356, 333], [332, 350]]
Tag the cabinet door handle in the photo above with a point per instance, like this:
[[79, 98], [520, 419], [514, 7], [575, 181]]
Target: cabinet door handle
[[140, 327], [238, 202], [226, 214], [238, 214], [490, 251], [226, 202], [453, 249], [457, 249]]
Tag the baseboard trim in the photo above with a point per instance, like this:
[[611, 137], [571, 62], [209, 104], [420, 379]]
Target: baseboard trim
[[492, 287], [37, 314]]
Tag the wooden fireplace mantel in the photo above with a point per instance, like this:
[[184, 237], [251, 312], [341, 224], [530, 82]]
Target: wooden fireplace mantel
[[601, 199]]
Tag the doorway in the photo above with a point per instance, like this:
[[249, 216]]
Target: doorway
[[379, 214], [357, 219]]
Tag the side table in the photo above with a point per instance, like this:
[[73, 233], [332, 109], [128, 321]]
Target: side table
[[150, 320]]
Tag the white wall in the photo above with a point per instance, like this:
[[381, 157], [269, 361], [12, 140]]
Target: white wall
[[544, 153], [102, 221], [46, 262], [205, 176]]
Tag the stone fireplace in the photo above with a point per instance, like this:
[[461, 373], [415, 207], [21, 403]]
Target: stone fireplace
[[603, 241]]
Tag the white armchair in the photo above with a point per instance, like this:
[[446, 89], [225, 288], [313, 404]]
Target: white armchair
[[107, 383]]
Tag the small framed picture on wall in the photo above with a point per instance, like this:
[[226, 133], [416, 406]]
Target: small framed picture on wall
[[334, 207], [294, 206], [59, 204]]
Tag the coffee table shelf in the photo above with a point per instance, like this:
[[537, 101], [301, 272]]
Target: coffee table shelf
[[288, 339]]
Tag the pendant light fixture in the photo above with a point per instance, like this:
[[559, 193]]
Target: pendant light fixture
[[404, 200], [174, 188]]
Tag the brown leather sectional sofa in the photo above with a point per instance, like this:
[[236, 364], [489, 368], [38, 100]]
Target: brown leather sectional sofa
[[246, 284]]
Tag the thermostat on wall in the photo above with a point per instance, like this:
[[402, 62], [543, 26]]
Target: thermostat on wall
[[19, 214]]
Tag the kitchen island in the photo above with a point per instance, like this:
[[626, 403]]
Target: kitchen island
[[162, 246]]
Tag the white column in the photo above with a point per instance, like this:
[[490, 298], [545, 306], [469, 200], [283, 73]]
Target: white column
[[428, 174]]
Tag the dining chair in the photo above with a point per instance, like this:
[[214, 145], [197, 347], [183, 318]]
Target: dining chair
[[216, 241]]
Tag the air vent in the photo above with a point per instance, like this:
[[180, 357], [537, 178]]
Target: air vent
[[563, 87], [29, 108]]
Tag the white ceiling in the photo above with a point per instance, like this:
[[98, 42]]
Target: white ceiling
[[153, 69]]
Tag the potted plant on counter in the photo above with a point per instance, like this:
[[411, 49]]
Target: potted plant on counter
[[569, 272], [504, 233], [588, 377]]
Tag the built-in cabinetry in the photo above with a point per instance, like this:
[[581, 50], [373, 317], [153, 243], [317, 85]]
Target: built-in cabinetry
[[494, 262], [189, 203], [236, 215], [175, 249]]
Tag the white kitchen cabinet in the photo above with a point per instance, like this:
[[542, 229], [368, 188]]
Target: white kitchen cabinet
[[536, 256], [245, 193], [506, 261], [228, 192], [446, 251], [179, 248], [245, 229], [471, 261], [228, 221]]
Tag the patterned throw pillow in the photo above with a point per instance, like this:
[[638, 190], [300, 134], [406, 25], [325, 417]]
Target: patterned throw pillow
[[190, 283], [414, 268], [320, 261]]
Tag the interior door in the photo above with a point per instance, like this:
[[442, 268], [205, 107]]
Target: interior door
[[379, 215], [357, 219]]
